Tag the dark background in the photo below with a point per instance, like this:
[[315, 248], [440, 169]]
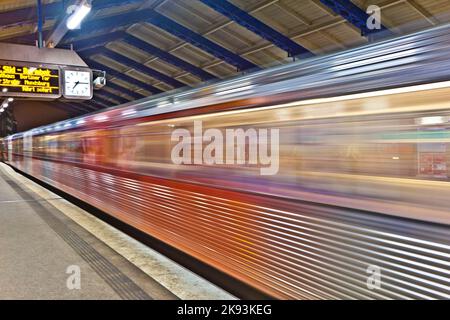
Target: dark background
[[31, 114]]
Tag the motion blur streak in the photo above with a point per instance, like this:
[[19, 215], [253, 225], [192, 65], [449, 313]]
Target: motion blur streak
[[363, 175]]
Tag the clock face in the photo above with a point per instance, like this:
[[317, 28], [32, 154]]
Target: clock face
[[77, 83]]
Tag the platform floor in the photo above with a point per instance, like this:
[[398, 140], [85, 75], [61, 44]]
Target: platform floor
[[45, 241]]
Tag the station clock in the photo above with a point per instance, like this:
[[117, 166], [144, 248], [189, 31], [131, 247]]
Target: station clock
[[77, 83]]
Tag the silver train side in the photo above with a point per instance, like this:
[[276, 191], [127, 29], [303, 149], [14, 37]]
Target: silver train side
[[363, 182]]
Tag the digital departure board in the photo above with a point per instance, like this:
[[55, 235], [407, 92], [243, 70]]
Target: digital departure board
[[29, 81]]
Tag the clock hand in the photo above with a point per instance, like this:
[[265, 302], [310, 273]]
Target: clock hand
[[76, 83]]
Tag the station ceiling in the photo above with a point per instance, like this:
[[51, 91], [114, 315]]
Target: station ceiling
[[152, 46]]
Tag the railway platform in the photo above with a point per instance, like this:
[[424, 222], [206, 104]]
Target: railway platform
[[49, 251]]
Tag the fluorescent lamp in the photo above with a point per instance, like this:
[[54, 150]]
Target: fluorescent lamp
[[5, 105], [10, 99], [78, 16]]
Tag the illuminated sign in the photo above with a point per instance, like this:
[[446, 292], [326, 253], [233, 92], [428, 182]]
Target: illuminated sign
[[29, 81]]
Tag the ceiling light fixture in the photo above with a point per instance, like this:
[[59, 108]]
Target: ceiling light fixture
[[78, 15]]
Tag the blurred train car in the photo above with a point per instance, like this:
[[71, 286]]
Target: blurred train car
[[362, 189]]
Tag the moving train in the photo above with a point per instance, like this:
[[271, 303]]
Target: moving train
[[353, 202]]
